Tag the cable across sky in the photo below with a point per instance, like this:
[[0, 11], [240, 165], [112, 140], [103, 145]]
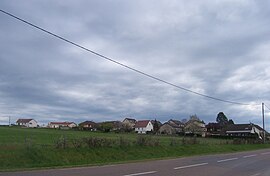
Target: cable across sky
[[121, 64], [266, 106]]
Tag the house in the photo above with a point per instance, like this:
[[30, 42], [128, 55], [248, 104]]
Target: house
[[129, 123], [244, 130], [88, 125], [176, 123], [143, 126], [168, 128], [172, 127], [213, 129], [29, 123], [63, 125], [195, 127]]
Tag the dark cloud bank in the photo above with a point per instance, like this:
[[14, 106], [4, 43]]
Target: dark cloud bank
[[215, 48]]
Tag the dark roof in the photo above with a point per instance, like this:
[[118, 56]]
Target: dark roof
[[61, 123], [23, 120], [176, 122], [260, 128], [172, 125], [130, 119], [243, 127], [88, 123], [213, 125], [142, 123], [239, 127]]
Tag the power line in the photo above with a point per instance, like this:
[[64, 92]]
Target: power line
[[267, 107], [119, 63]]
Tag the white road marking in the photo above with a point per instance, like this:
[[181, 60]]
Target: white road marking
[[229, 159], [141, 173], [248, 156], [266, 153], [188, 166]]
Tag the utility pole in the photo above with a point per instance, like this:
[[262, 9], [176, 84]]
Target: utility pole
[[263, 123], [9, 121]]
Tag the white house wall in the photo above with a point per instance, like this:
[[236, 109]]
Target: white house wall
[[149, 127], [143, 130], [33, 124], [256, 130], [72, 125]]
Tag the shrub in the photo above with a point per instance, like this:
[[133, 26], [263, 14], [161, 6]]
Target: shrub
[[123, 142], [190, 141], [61, 143], [147, 141], [238, 141], [141, 141], [155, 142], [77, 143], [107, 142], [28, 142], [93, 142], [173, 142]]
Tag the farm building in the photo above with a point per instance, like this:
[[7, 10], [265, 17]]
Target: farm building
[[29, 123], [244, 130], [129, 123], [88, 125], [62, 125], [170, 128]]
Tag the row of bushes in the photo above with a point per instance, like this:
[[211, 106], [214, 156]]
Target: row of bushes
[[247, 141], [95, 142], [184, 141]]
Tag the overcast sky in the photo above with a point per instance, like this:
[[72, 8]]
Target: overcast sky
[[219, 48]]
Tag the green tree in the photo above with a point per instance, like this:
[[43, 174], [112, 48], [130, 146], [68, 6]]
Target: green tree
[[155, 126], [222, 119], [230, 122], [106, 126], [194, 117]]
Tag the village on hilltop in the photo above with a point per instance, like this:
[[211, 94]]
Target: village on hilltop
[[193, 126]]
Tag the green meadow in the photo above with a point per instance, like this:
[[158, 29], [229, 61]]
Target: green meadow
[[24, 149]]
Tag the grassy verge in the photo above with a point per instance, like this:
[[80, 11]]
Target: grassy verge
[[18, 152]]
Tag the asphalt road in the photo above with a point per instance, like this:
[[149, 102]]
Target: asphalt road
[[254, 163]]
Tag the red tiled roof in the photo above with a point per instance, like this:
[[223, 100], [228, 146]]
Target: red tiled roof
[[141, 124], [23, 120]]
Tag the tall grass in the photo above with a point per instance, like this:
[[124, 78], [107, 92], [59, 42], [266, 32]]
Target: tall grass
[[39, 148]]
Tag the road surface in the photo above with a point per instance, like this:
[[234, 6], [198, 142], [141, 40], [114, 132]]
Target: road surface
[[253, 163]]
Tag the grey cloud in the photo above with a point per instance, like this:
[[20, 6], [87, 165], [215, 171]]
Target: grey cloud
[[198, 45]]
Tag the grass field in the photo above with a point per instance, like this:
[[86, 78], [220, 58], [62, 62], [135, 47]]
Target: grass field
[[22, 148]]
